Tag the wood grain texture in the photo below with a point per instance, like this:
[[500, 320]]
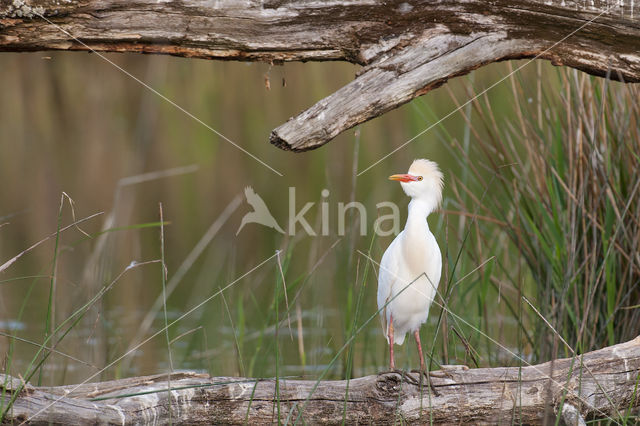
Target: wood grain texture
[[594, 385], [407, 47]]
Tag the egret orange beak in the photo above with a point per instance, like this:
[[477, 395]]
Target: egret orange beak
[[404, 178]]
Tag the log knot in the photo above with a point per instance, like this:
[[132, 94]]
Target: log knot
[[389, 384]]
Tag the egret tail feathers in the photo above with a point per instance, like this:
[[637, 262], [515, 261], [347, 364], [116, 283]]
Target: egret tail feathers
[[383, 323]]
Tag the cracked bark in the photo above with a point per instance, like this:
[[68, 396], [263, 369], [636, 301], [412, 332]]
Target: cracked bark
[[605, 384], [407, 48]]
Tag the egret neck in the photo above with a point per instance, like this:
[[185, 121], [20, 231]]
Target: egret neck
[[419, 210]]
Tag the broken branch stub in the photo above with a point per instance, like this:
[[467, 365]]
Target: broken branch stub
[[392, 82]]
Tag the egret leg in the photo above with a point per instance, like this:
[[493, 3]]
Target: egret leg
[[417, 336], [392, 363], [423, 368]]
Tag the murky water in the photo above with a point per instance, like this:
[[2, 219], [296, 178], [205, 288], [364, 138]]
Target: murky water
[[73, 124]]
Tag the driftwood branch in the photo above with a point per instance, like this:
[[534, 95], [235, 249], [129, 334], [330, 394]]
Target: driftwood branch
[[407, 47], [594, 385]]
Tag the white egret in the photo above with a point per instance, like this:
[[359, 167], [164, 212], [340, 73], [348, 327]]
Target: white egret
[[411, 266]]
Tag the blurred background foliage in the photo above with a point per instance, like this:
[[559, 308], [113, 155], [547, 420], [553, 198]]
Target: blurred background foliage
[[540, 209]]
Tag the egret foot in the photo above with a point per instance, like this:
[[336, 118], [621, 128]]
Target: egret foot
[[423, 373]]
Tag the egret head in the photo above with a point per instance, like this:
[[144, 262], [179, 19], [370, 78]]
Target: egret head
[[423, 182]]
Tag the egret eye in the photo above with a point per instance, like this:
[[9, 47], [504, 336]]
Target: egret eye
[[419, 177]]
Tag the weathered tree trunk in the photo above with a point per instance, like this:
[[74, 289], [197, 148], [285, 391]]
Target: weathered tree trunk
[[406, 47], [598, 384]]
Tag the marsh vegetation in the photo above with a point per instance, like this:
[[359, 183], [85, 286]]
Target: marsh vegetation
[[539, 226]]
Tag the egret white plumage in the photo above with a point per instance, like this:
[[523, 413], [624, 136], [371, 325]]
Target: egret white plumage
[[411, 266]]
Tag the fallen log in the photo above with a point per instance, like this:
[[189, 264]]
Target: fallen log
[[595, 385], [407, 47]]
